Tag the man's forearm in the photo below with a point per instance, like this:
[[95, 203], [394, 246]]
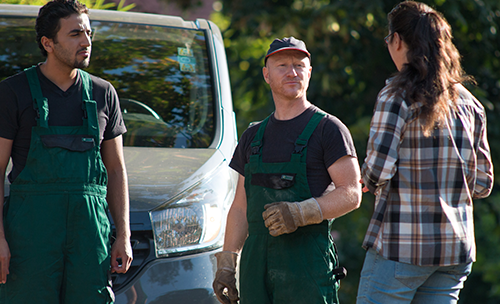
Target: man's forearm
[[118, 202], [4, 247], [237, 224], [5, 151], [2, 194], [236, 231], [340, 201]]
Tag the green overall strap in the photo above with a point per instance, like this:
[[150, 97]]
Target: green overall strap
[[256, 146], [301, 142], [87, 85], [89, 105], [40, 103]]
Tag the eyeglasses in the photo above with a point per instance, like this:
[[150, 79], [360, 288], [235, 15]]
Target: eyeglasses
[[386, 39]]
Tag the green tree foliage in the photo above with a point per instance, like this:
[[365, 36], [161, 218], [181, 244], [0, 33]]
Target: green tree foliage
[[95, 4], [350, 64]]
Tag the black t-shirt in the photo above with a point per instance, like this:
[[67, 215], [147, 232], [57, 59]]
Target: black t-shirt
[[330, 141], [18, 116]]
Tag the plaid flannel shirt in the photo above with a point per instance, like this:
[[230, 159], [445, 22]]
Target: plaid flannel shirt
[[424, 186]]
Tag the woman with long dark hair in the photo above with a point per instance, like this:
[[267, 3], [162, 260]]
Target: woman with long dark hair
[[427, 159]]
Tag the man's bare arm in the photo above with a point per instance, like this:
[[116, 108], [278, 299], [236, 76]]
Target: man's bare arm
[[118, 202], [237, 224], [5, 151], [346, 196]]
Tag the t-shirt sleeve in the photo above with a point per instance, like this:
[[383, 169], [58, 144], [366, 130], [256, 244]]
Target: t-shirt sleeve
[[339, 141], [115, 125], [237, 162], [241, 154], [8, 112]]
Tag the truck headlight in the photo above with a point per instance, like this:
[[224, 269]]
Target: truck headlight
[[195, 219]]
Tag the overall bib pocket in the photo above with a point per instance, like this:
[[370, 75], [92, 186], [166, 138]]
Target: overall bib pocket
[[276, 181], [71, 142]]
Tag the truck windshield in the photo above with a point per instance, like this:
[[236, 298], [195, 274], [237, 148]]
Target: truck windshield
[[162, 76]]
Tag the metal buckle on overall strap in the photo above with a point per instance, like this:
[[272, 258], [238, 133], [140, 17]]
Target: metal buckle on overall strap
[[300, 145], [255, 148]]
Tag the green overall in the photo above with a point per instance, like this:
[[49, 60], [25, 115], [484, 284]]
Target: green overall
[[55, 219], [293, 268]]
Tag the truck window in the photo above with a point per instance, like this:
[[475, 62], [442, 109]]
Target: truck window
[[162, 75]]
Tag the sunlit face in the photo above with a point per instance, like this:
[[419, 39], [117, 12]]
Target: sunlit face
[[288, 74], [72, 45]]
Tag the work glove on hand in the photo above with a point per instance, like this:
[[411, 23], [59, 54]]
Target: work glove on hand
[[225, 277], [286, 217]]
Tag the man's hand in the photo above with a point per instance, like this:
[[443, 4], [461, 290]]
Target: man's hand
[[4, 260], [225, 278], [286, 217], [122, 250]]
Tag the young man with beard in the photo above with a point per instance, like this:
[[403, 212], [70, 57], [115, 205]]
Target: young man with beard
[[63, 129]]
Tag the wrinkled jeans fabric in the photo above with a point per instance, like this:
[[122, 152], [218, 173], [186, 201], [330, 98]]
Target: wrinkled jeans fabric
[[389, 282]]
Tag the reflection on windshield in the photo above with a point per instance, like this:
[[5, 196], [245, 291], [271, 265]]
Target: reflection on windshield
[[161, 74]]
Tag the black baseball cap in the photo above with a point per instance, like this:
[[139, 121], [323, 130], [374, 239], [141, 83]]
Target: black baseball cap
[[287, 43]]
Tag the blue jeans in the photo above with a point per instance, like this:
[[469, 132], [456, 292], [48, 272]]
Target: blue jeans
[[388, 282]]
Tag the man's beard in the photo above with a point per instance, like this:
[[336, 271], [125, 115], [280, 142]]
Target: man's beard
[[82, 64]]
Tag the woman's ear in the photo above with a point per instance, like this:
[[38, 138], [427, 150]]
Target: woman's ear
[[396, 39]]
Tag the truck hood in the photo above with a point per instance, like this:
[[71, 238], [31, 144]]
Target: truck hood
[[156, 175]]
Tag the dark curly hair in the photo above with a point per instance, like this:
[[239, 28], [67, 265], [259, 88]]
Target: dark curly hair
[[433, 67], [49, 15]]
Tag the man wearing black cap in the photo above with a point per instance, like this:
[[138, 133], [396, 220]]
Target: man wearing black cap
[[298, 169]]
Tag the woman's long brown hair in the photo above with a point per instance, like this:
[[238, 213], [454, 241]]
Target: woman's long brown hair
[[433, 67]]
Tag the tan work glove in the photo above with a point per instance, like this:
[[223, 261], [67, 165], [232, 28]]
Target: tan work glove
[[225, 277], [286, 217]]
